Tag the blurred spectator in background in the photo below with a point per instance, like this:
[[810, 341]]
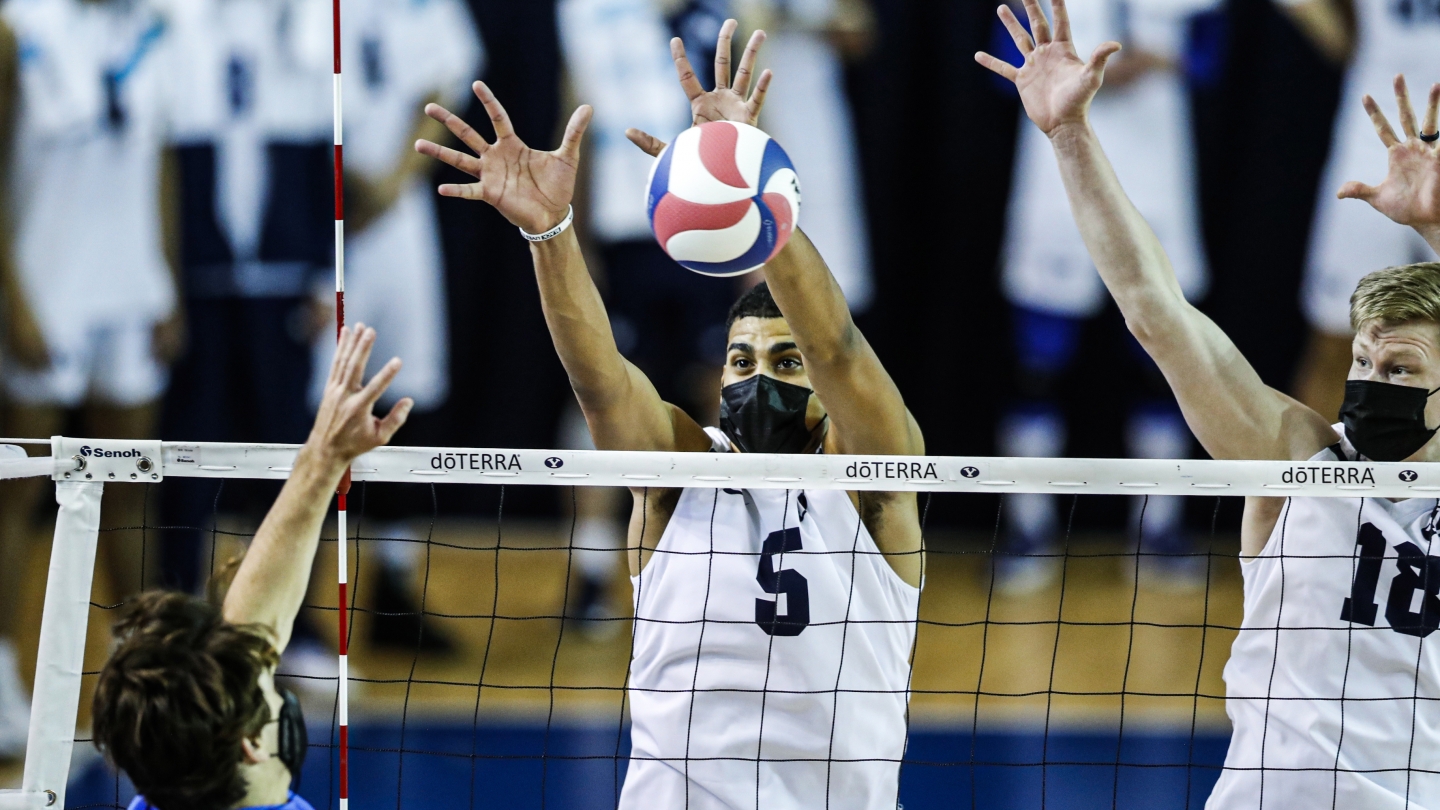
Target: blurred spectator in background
[[400, 55], [1377, 39], [667, 320], [809, 114], [1052, 286], [90, 310], [252, 147]]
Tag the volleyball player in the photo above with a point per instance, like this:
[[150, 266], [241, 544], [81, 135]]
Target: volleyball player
[[187, 705], [1376, 39], [90, 305], [1331, 698], [773, 628], [1050, 282]]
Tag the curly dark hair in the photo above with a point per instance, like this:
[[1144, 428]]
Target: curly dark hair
[[177, 697], [757, 302]]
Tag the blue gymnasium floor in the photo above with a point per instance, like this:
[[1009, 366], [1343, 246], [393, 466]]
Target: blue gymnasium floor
[[583, 774]]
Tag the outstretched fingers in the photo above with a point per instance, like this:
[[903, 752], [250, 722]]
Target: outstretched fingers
[[1355, 190], [722, 54], [689, 82], [1382, 124], [353, 373], [649, 144], [1039, 26], [757, 99], [458, 128], [1101, 55], [747, 62], [1017, 31], [465, 163], [1062, 20], [1407, 111], [575, 132], [394, 420], [1432, 111], [498, 117], [999, 66], [377, 385]]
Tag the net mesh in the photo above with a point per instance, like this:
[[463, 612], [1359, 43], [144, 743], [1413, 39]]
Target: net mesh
[[1096, 685]]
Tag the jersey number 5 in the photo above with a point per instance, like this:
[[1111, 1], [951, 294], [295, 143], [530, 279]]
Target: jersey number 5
[[789, 582], [1418, 575]]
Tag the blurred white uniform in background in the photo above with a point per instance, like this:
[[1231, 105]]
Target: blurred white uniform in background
[[808, 113], [86, 197], [1146, 129], [1349, 238], [84, 191], [398, 55], [1049, 278]]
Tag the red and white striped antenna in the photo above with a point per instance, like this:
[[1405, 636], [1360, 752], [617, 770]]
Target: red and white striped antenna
[[342, 536]]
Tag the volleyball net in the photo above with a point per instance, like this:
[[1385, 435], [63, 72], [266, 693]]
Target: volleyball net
[[528, 712]]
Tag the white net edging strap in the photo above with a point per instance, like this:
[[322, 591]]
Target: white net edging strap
[[118, 461]]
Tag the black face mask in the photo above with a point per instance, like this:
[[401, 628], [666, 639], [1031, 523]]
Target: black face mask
[[1385, 422], [764, 415], [293, 738]]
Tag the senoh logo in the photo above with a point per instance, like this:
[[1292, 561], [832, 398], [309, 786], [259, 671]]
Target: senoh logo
[[99, 452]]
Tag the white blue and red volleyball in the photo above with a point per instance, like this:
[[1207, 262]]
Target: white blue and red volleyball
[[723, 199]]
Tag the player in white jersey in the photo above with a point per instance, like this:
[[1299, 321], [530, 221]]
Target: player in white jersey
[[770, 669], [89, 296], [1381, 38], [1047, 277], [1333, 700]]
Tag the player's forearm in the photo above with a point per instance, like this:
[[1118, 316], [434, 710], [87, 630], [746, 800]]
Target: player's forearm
[[270, 585], [813, 303], [1131, 262], [578, 323]]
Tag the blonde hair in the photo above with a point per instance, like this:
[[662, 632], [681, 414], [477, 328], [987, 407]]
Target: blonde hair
[[1410, 292]]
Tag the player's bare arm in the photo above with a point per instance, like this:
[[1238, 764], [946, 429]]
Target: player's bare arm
[[24, 342], [1232, 412], [270, 584], [533, 190], [1410, 192]]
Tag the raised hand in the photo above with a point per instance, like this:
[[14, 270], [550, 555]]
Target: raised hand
[[1055, 84], [1410, 192], [530, 188], [727, 102], [345, 426]]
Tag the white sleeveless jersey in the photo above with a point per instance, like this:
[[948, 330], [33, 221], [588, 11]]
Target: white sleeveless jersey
[[771, 663], [86, 191], [1337, 708]]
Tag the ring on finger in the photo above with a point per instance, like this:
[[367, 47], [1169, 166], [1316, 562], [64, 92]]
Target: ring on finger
[[1430, 137]]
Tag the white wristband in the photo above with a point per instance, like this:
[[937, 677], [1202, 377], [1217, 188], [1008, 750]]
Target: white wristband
[[553, 232]]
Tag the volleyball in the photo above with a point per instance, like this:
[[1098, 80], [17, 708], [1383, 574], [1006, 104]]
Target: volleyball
[[723, 199]]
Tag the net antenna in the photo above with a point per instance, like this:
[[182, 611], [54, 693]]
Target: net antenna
[[342, 697]]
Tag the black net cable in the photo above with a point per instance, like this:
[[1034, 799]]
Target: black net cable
[[1129, 650], [489, 641], [700, 642], [1200, 666], [555, 658], [984, 648], [1055, 655], [415, 657]]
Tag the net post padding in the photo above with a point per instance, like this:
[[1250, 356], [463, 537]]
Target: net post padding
[[61, 656]]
